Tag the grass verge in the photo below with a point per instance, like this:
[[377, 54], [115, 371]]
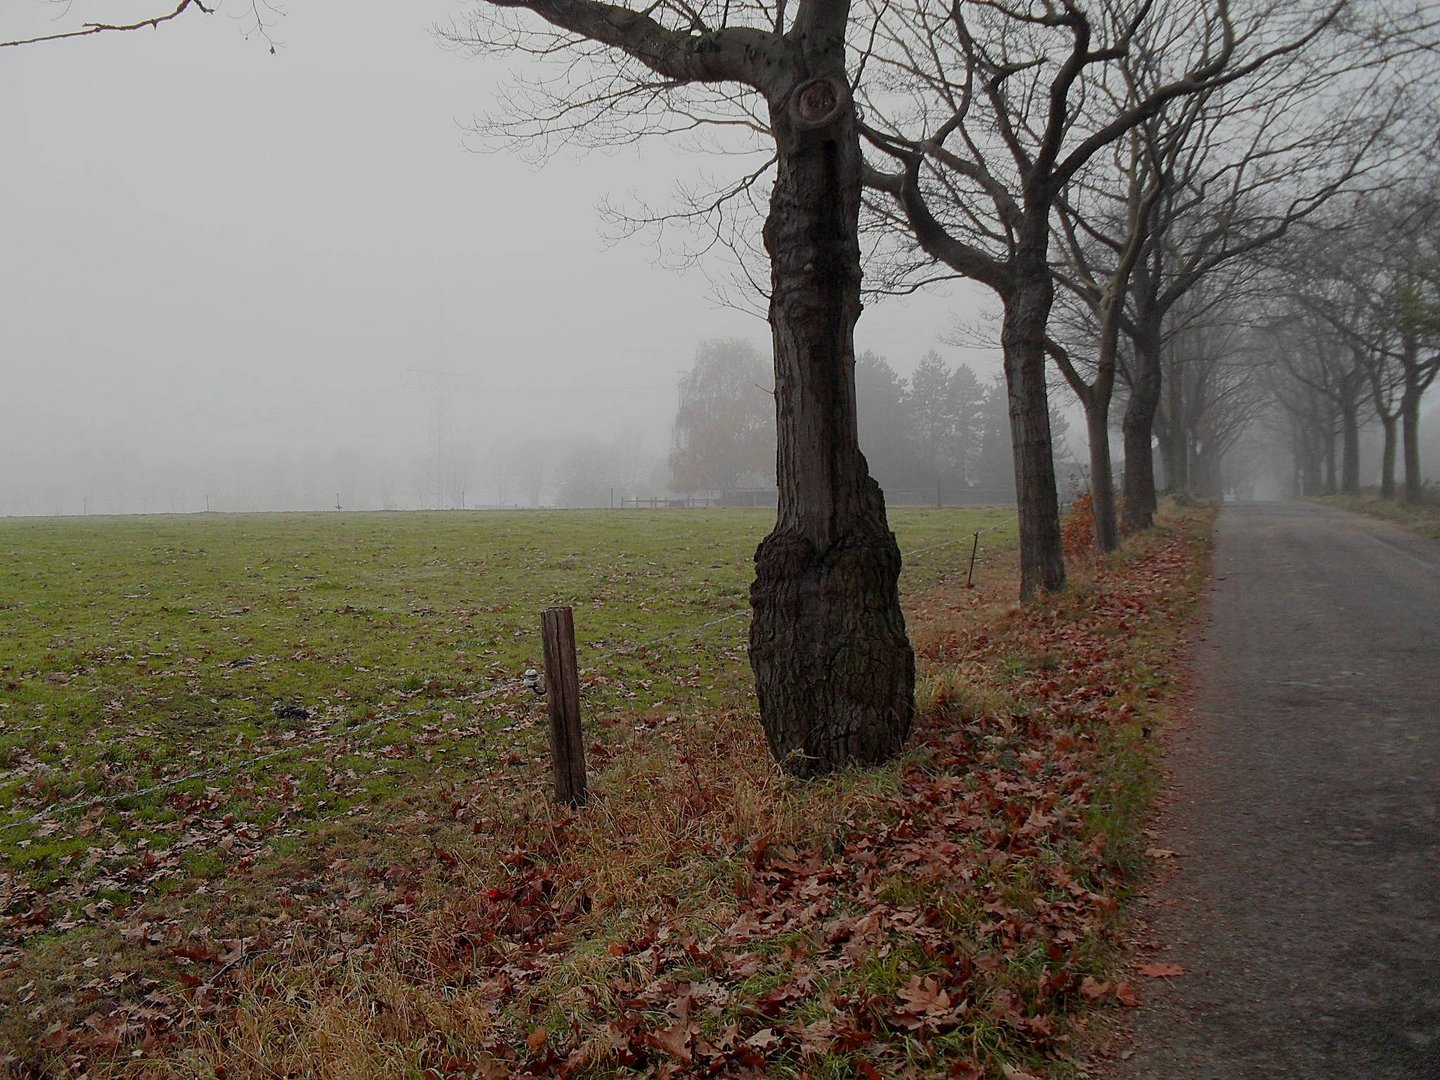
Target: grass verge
[[1422, 518]]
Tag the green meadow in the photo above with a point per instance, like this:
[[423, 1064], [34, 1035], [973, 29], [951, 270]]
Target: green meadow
[[167, 680]]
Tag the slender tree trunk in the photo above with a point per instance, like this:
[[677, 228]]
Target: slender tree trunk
[[1389, 424], [1175, 440], [1410, 436], [1350, 447], [1205, 476], [1102, 477], [1022, 339], [833, 669], [1097, 424], [1175, 453], [1312, 471], [1330, 486], [1138, 427]]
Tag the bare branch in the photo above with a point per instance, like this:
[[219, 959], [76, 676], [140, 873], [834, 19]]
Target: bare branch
[[91, 29]]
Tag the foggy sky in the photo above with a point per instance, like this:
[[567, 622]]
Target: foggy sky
[[218, 265]]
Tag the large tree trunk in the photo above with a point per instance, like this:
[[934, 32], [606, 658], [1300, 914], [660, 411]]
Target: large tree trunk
[[1022, 339], [833, 669], [1138, 427]]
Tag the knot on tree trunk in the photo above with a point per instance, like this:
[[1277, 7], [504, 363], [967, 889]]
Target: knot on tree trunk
[[833, 668], [817, 103]]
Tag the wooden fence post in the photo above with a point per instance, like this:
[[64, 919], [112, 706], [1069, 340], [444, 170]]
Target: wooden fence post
[[562, 692]]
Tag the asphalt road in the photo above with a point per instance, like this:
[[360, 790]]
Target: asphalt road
[[1305, 907]]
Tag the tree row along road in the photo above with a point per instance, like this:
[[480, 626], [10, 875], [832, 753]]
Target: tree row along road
[[1306, 906]]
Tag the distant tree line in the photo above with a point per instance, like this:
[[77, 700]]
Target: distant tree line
[[940, 435], [1353, 335]]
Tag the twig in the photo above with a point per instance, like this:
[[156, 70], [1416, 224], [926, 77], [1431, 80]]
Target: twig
[[90, 29]]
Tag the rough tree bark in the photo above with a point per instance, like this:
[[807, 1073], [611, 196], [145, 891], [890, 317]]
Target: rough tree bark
[[833, 668]]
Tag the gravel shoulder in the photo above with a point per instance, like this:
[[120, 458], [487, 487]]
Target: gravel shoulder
[[1305, 904]]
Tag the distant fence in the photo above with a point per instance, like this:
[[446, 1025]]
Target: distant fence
[[951, 495], [655, 502], [768, 498], [736, 497]]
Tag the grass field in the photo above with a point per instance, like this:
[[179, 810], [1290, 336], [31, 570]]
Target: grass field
[[181, 696]]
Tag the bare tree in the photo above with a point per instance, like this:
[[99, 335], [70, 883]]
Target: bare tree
[[1101, 244], [1412, 289], [1377, 286], [1336, 118], [1212, 365], [834, 671], [1311, 364], [989, 110]]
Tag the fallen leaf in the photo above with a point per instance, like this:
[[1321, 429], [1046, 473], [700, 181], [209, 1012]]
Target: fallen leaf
[[1093, 988], [762, 1038], [675, 1040], [923, 996], [1160, 971]]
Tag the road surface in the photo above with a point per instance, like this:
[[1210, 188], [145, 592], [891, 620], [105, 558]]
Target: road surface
[[1305, 908]]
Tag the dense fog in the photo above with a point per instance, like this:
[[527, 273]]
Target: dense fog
[[234, 274]]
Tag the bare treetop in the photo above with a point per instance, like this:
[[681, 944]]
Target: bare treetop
[[992, 108]]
